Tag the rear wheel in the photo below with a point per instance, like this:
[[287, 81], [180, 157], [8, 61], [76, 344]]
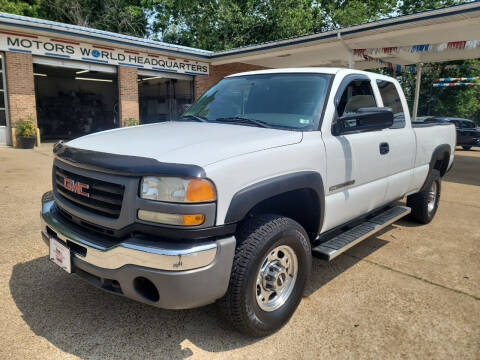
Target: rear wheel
[[466, 147], [425, 203], [271, 266]]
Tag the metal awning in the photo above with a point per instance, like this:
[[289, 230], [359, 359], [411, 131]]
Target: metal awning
[[337, 47]]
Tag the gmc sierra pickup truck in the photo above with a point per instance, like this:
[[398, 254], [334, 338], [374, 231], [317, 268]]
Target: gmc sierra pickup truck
[[228, 203]]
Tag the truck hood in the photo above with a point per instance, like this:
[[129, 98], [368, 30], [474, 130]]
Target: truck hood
[[186, 142]]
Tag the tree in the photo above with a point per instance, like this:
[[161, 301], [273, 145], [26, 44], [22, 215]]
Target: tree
[[454, 101], [224, 24], [26, 8], [121, 16], [411, 6], [353, 12]]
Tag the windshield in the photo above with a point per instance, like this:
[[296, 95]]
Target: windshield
[[292, 101]]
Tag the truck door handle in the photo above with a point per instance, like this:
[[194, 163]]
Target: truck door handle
[[384, 148]]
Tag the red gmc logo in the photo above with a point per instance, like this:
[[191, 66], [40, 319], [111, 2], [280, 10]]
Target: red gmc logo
[[76, 187]]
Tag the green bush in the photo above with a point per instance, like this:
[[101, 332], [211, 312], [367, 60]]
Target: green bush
[[25, 128], [131, 122]]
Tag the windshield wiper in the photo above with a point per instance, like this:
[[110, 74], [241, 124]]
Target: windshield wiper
[[193, 117], [241, 120]]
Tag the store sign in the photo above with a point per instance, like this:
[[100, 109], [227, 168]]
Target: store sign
[[67, 49]]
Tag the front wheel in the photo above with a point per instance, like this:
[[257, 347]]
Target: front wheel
[[271, 266], [424, 204]]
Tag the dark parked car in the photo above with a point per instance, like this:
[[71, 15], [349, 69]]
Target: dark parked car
[[468, 134]]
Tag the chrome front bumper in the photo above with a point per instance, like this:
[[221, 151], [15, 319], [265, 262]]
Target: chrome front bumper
[[110, 255], [186, 274]]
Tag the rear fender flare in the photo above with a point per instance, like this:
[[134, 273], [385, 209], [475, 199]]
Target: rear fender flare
[[437, 154]]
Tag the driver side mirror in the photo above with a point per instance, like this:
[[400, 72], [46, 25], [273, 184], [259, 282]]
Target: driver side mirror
[[365, 119]]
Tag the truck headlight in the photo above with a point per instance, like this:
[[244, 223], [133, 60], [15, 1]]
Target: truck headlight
[[172, 189]]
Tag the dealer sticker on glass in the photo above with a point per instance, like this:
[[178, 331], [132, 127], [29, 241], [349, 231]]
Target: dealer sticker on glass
[[60, 255]]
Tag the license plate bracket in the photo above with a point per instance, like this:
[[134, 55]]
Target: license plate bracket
[[60, 255]]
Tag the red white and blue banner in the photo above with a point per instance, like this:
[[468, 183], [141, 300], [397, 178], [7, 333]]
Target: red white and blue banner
[[376, 54], [74, 50], [452, 45]]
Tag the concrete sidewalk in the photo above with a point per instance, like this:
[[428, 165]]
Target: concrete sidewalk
[[410, 292]]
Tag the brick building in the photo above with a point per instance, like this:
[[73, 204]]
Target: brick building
[[71, 80]]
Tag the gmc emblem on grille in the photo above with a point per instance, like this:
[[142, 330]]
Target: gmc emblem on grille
[[76, 187]]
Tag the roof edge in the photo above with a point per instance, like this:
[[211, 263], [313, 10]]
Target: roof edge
[[391, 21], [99, 35]]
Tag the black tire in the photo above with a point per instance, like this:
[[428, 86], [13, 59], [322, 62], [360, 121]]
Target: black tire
[[257, 237], [419, 202], [466, 147]]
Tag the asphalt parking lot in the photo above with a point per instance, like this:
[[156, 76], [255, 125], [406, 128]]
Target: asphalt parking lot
[[410, 292]]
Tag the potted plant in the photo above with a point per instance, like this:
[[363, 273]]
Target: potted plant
[[131, 122], [26, 134]]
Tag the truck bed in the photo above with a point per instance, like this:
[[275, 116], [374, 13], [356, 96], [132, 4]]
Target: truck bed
[[430, 137]]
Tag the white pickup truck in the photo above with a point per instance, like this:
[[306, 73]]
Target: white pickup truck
[[229, 202]]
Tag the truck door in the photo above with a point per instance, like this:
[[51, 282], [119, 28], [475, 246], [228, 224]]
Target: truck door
[[357, 168], [465, 132], [400, 139]]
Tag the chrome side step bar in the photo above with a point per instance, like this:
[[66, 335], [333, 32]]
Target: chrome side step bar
[[330, 249]]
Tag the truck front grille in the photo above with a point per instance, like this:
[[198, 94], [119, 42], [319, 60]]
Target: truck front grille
[[103, 198]]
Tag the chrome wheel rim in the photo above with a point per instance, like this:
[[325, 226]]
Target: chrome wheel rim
[[276, 278], [432, 197]]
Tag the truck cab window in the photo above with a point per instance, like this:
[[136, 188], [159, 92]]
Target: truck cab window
[[358, 94], [391, 99], [466, 125]]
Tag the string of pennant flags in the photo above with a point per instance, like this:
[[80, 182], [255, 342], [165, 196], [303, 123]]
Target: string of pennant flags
[[413, 68], [457, 45], [456, 84], [449, 79], [366, 54], [456, 81]]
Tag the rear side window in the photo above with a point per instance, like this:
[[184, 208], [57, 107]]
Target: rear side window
[[391, 99], [460, 124], [467, 125], [457, 124]]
